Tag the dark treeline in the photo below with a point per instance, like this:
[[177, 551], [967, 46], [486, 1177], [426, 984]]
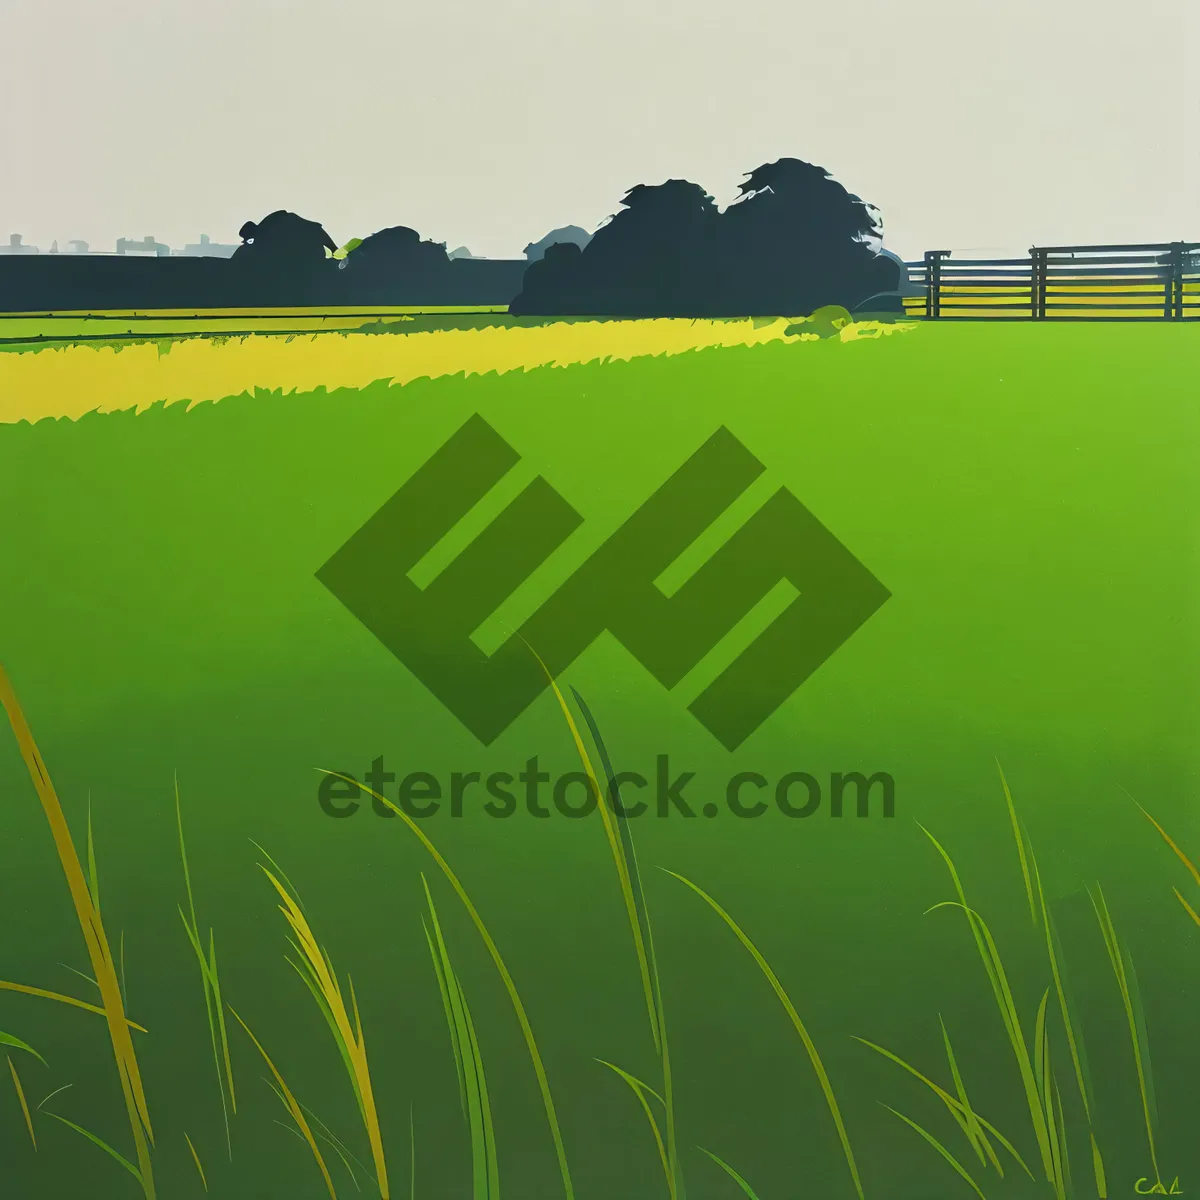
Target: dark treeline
[[794, 241]]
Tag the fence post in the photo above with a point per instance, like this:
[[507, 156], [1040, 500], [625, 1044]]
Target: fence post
[[1173, 307], [933, 281], [1037, 284]]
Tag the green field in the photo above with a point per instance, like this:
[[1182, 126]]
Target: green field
[[1027, 494]]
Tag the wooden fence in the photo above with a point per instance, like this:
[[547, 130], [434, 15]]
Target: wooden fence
[[1151, 282]]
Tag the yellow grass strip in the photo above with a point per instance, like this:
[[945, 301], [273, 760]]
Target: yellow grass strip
[[798, 1024], [94, 935], [12, 1066], [71, 381], [292, 1107], [196, 1159], [509, 985]]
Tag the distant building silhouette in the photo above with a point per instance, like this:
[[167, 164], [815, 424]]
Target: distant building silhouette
[[146, 246], [54, 246], [568, 233], [75, 246], [17, 246], [206, 248], [462, 252]]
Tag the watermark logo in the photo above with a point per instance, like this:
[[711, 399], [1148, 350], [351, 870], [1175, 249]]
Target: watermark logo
[[429, 629]]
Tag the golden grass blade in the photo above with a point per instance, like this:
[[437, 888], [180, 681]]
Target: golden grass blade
[[747, 1190], [1020, 840], [951, 1103], [12, 1066], [92, 928], [196, 1160], [472, 1081], [509, 985], [798, 1024], [349, 1041], [292, 1107], [1183, 858], [1191, 912], [1113, 946], [940, 1149], [659, 1026], [93, 875], [25, 989], [640, 1089]]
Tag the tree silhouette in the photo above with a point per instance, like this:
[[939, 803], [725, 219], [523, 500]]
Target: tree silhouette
[[397, 251], [648, 260], [796, 240], [282, 239]]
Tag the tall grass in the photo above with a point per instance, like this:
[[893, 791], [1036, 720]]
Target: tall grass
[[505, 975], [468, 1060], [210, 981], [316, 970], [620, 841], [1032, 1058], [96, 940]]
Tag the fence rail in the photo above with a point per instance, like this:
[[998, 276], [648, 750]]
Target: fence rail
[[1157, 281]]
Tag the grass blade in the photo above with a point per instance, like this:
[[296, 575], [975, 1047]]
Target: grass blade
[[472, 1082], [941, 1150], [640, 1090], [26, 990], [7, 1039], [1117, 960], [348, 1038], [659, 1024], [509, 985], [12, 1066], [997, 977], [196, 1160], [96, 1141], [798, 1024], [218, 1036], [293, 1108], [951, 1103], [92, 928], [747, 1190], [967, 1119], [1020, 840]]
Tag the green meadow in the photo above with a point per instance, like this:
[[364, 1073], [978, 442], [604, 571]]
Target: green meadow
[[546, 1006]]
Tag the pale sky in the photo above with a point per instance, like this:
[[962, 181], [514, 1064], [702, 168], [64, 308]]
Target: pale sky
[[972, 124]]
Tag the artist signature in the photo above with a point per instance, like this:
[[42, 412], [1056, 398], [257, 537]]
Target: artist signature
[[1157, 1189]]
